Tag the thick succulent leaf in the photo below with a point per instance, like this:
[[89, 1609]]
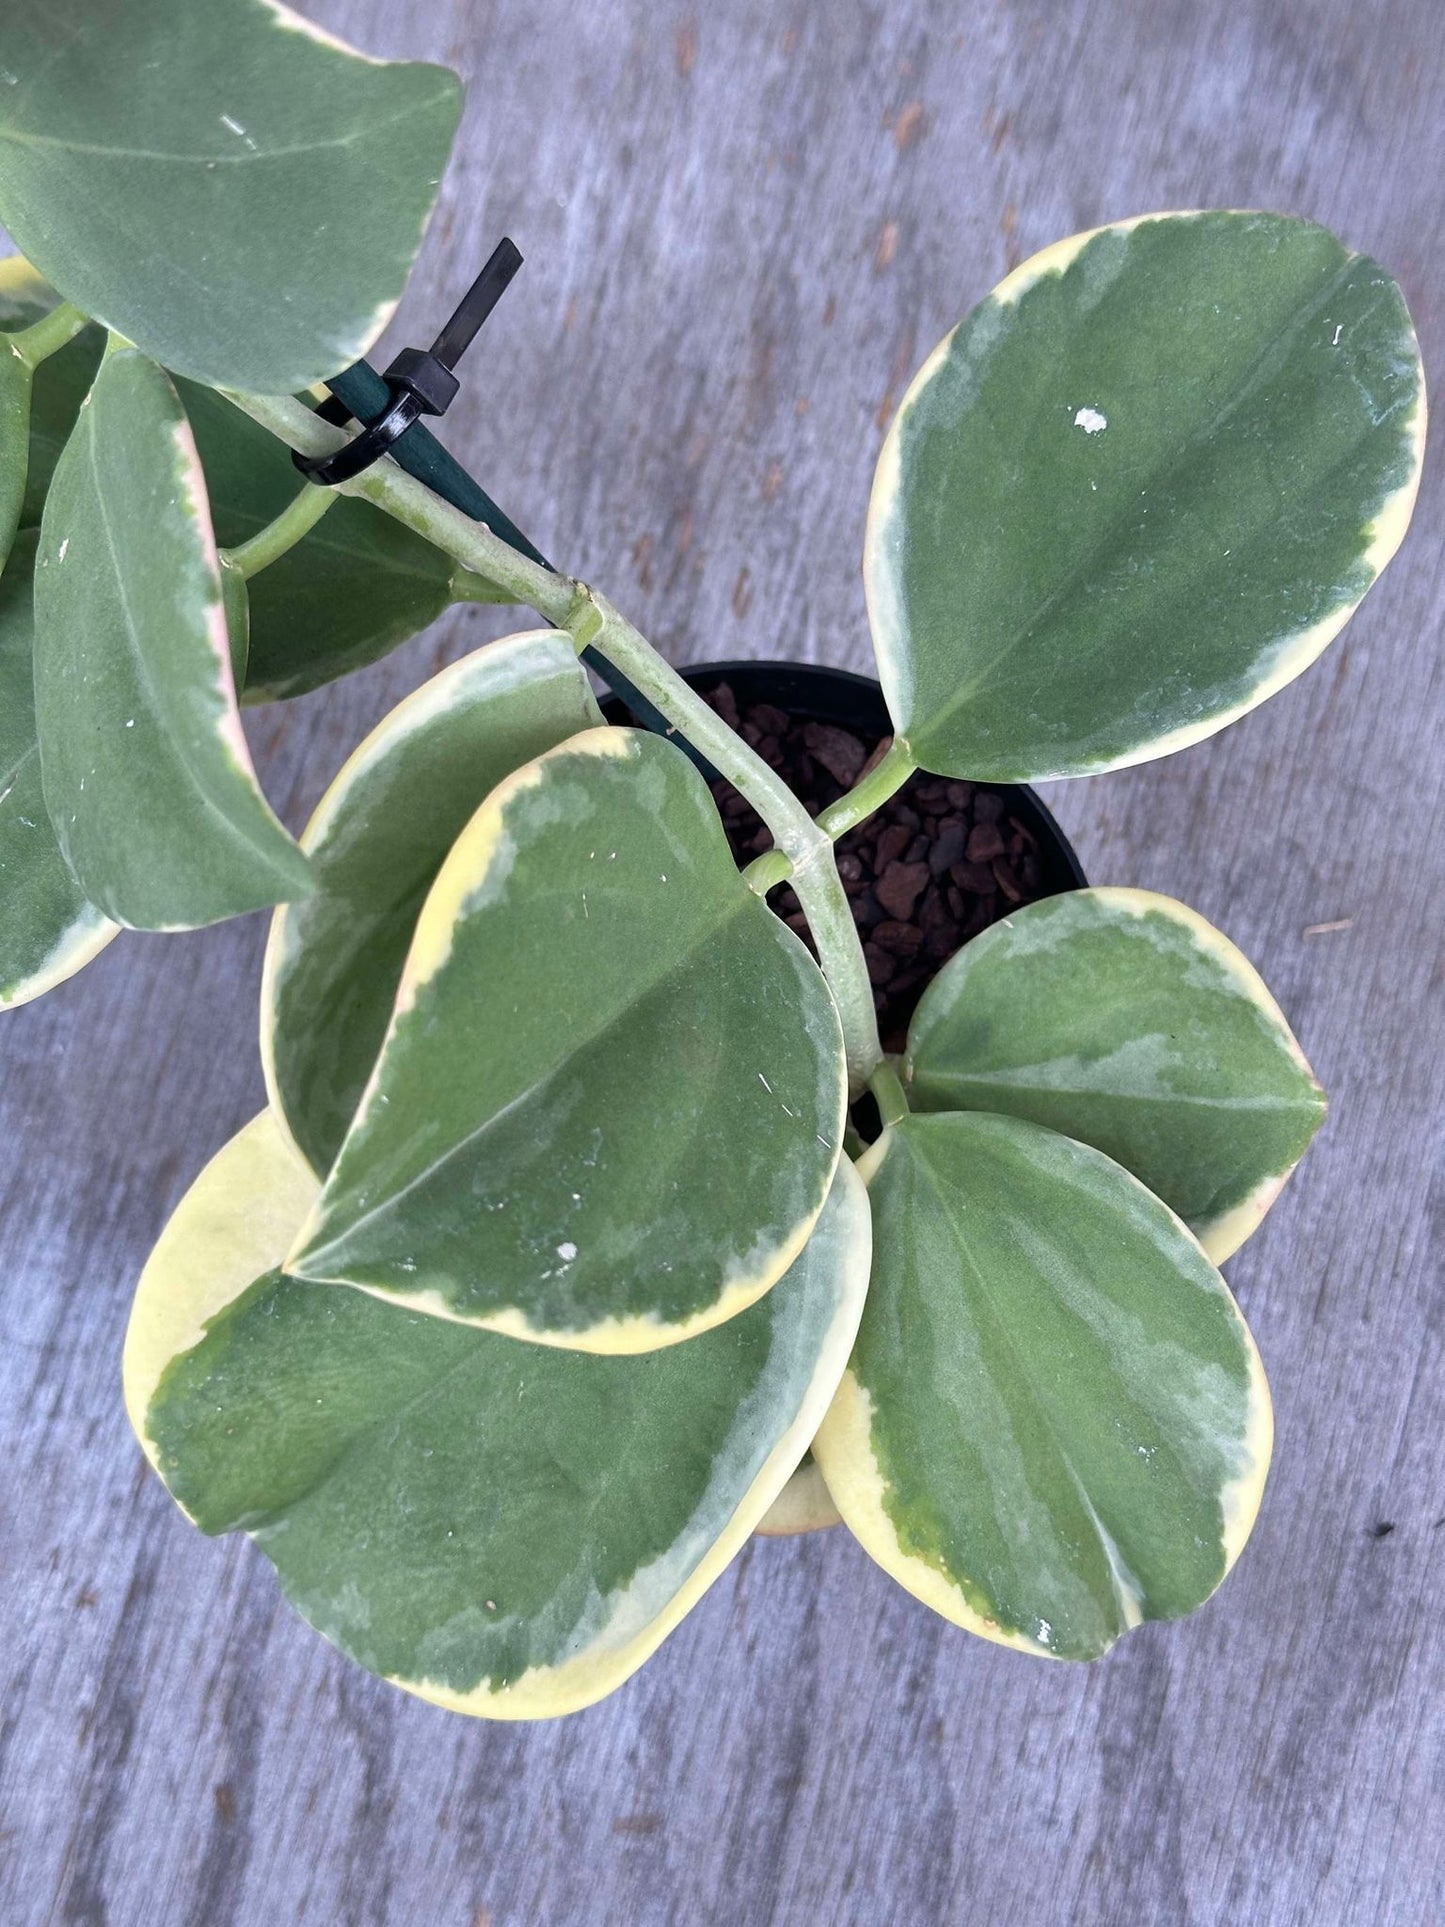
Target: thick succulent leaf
[[1137, 491], [147, 776], [376, 843], [60, 382], [610, 1103], [354, 586], [1125, 1020], [804, 1505], [1055, 1423], [506, 1529], [47, 929], [231, 189]]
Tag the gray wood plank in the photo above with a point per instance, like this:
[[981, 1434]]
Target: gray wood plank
[[745, 225]]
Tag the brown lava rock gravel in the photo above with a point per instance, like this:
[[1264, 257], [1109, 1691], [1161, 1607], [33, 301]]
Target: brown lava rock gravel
[[938, 863]]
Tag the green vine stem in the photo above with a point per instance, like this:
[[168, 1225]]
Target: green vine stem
[[269, 544], [889, 773], [591, 620], [49, 334], [808, 850], [884, 1084]]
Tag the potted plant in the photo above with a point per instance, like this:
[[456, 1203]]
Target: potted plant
[[588, 1199]]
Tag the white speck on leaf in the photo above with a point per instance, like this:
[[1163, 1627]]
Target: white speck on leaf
[[63, 547], [1339, 330], [567, 1251], [1091, 421]]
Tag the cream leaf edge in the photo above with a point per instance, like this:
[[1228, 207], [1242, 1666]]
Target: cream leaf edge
[[229, 1229]]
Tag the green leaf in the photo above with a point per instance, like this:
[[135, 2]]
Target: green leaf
[[47, 929], [148, 780], [1125, 1020], [354, 587], [376, 842], [1137, 491], [610, 1103], [59, 384], [230, 188], [506, 1529], [1055, 1423]]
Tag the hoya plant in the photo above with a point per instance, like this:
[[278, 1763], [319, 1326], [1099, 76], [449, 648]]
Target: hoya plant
[[586, 1203]]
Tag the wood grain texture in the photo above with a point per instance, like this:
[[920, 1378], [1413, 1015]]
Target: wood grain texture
[[745, 224]]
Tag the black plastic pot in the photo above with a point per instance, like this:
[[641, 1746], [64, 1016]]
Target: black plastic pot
[[823, 695], [813, 693]]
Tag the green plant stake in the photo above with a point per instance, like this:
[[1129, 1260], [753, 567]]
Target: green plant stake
[[519, 1308]]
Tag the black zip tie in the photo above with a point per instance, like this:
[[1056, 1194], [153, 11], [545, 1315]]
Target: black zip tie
[[358, 391], [421, 381]]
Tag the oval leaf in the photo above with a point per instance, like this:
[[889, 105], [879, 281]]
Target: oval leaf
[[227, 186], [1125, 1020], [47, 929], [1137, 491], [60, 382], [147, 776], [376, 842], [354, 586], [505, 1529], [610, 1104], [1055, 1423]]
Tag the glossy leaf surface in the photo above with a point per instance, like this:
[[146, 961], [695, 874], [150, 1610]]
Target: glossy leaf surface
[[609, 1107], [1138, 490], [147, 776], [1055, 1423], [352, 588], [1125, 1020], [376, 842], [506, 1529], [47, 928], [225, 185]]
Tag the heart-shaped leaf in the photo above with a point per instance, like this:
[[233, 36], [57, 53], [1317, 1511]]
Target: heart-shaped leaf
[[354, 586], [147, 776], [506, 1529], [60, 382], [225, 185], [376, 842], [1125, 1020], [610, 1103], [47, 929], [1055, 1423], [1138, 490]]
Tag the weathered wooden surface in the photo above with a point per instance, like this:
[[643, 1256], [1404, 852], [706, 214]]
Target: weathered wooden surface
[[745, 224]]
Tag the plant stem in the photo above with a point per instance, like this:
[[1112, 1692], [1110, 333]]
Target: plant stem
[[884, 1084], [767, 871], [468, 586], [269, 544], [808, 850], [49, 334], [890, 773], [417, 508], [593, 622]]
